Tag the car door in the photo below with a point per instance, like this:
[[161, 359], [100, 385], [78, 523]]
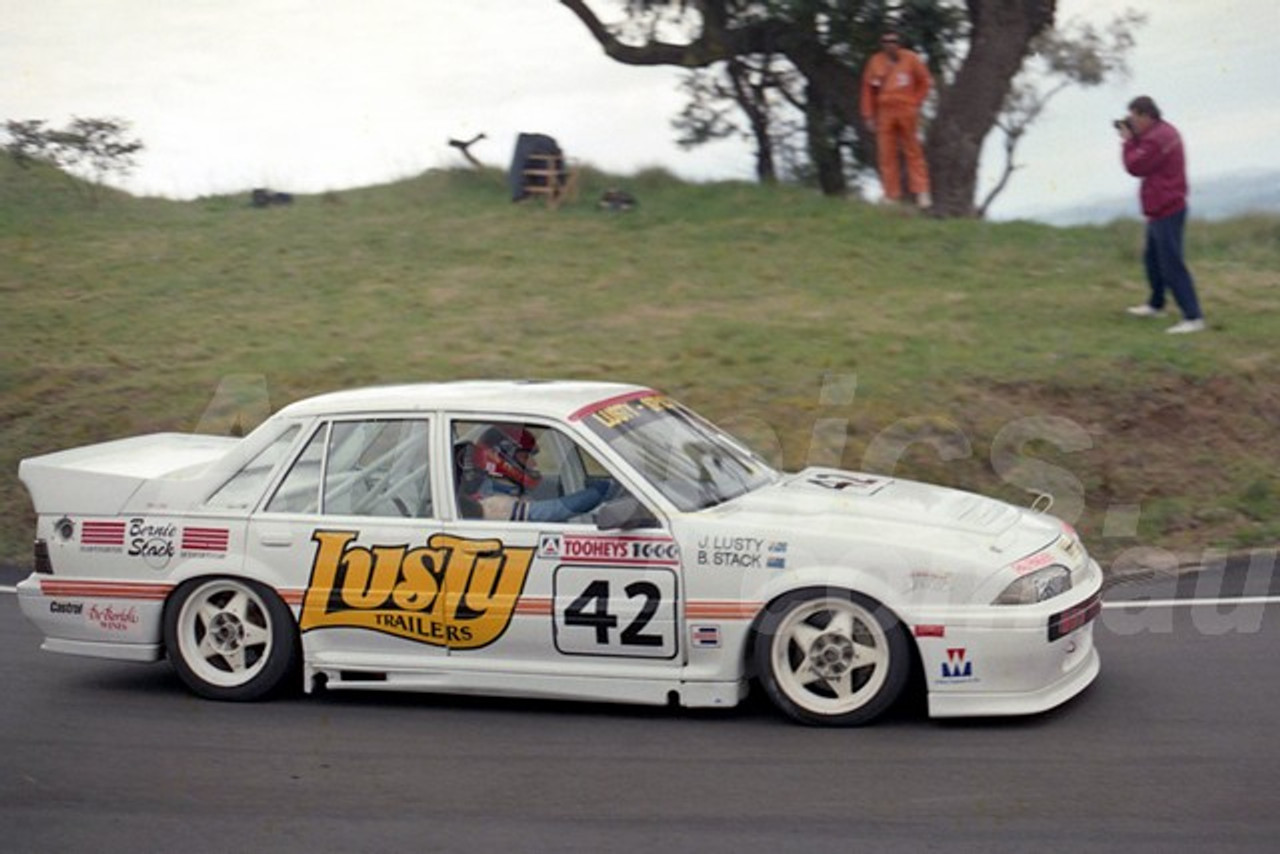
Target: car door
[[355, 516], [575, 600]]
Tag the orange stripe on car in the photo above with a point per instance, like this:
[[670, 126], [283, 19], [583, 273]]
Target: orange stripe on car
[[530, 606], [711, 610], [104, 589], [129, 590]]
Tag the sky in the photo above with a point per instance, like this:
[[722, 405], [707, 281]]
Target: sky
[[308, 96]]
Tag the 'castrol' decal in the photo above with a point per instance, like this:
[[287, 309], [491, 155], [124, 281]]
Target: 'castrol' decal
[[451, 592]]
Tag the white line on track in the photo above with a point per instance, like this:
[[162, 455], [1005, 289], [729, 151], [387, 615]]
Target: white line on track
[[1188, 603]]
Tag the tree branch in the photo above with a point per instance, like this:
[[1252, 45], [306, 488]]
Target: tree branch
[[698, 54], [717, 42]]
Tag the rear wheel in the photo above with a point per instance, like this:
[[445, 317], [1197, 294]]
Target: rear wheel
[[831, 657], [230, 638]]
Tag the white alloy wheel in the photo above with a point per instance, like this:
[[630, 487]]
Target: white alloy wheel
[[831, 657], [229, 638]]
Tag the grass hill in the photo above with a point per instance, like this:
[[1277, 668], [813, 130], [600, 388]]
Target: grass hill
[[1223, 197], [994, 357]]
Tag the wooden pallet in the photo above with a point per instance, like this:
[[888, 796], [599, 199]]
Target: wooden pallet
[[551, 177]]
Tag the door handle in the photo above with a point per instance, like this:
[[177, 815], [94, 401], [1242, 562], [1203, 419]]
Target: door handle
[[276, 539]]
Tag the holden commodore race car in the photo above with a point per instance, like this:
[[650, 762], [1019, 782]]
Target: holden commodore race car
[[554, 540]]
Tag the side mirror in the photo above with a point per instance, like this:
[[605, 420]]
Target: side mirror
[[625, 514]]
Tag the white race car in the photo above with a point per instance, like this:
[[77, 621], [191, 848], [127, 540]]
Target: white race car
[[549, 539]]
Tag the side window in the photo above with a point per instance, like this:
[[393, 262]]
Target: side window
[[244, 487], [378, 468], [361, 468], [299, 492], [526, 473]]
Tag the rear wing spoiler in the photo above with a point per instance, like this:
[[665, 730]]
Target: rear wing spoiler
[[99, 479]]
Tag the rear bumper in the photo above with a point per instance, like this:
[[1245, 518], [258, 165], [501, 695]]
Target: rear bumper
[[102, 619]]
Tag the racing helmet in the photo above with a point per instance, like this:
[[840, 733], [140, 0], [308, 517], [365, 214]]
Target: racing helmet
[[507, 451]]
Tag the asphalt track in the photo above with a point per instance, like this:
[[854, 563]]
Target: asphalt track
[[1174, 748]]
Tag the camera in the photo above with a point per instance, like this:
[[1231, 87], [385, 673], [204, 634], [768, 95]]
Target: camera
[[1123, 124]]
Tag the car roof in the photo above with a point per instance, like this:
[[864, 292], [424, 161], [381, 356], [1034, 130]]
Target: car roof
[[558, 399]]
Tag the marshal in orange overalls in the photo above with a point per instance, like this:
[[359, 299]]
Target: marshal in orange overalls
[[894, 85]]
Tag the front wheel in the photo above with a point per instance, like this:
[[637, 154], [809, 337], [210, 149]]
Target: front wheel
[[230, 638], [831, 657]]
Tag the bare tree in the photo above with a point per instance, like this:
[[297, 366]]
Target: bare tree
[[91, 148], [1079, 54], [27, 141], [764, 91]]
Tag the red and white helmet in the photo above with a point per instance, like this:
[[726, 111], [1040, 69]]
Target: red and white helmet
[[507, 451]]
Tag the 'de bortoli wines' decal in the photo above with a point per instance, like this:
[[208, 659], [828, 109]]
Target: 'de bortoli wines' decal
[[451, 592]]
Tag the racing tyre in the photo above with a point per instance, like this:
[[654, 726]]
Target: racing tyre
[[831, 657], [230, 638]]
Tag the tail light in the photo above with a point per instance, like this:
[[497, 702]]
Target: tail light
[[44, 565]]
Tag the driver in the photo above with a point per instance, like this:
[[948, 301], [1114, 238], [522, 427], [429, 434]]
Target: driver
[[505, 475]]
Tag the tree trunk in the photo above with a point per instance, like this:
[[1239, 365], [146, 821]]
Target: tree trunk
[[766, 171], [1002, 32], [751, 100], [824, 149]]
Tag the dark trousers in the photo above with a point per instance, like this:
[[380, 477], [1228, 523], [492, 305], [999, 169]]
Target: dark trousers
[[1166, 269]]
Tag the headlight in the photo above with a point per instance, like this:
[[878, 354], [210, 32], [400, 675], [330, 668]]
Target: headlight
[[1036, 586]]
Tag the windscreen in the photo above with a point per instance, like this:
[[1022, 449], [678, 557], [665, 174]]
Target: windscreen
[[689, 460]]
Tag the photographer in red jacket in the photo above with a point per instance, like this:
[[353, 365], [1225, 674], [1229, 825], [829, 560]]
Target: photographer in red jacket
[[1153, 152]]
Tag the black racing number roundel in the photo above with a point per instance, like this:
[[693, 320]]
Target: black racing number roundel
[[615, 612]]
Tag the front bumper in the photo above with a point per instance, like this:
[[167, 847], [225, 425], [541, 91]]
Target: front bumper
[[1013, 660], [1008, 681]]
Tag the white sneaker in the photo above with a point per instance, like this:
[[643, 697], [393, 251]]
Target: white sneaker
[[1185, 326], [1144, 310], [924, 200]]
